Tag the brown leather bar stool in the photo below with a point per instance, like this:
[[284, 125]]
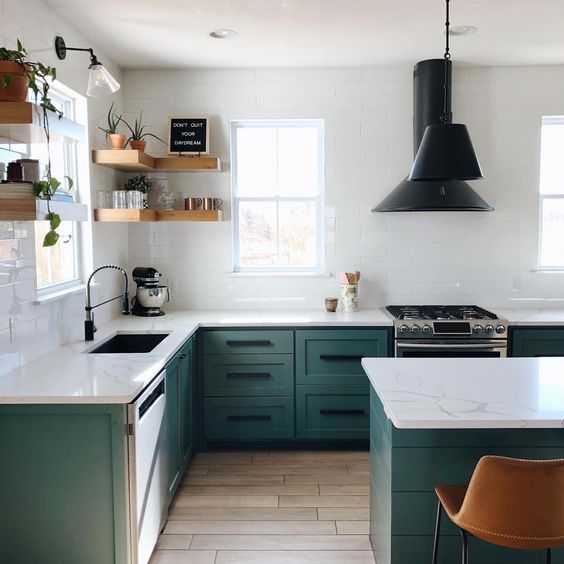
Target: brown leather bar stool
[[509, 502]]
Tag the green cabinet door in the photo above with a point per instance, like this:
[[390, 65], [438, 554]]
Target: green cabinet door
[[332, 356], [172, 421], [186, 403], [537, 341]]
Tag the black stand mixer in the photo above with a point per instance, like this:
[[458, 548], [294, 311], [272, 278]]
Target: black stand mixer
[[150, 296]]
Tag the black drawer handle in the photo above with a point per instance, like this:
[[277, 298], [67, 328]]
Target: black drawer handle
[[249, 418], [341, 357], [248, 374], [248, 343], [342, 412]]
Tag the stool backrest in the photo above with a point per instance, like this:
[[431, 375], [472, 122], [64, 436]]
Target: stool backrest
[[519, 503]]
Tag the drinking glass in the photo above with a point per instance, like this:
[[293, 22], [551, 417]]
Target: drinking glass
[[102, 199], [135, 199], [120, 199]]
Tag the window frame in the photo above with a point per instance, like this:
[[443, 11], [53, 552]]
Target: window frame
[[69, 99], [547, 120], [318, 199]]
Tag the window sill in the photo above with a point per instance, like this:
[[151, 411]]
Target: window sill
[[48, 297], [548, 270], [281, 275]]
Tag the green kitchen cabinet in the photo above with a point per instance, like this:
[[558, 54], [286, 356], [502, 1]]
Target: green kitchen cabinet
[[332, 412], [246, 419], [249, 375], [63, 484], [174, 466], [332, 356], [180, 407], [248, 341], [537, 341]]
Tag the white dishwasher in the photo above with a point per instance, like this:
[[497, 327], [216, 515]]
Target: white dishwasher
[[148, 489]]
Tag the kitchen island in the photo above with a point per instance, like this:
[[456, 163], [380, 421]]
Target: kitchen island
[[430, 422]]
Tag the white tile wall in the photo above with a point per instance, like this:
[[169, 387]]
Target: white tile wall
[[37, 329], [408, 257]]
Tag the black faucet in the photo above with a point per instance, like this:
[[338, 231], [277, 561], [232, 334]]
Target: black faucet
[[89, 328]]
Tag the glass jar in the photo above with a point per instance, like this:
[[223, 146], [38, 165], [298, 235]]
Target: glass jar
[[120, 199], [135, 199]]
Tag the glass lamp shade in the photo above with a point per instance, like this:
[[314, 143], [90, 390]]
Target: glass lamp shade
[[101, 82], [446, 153]]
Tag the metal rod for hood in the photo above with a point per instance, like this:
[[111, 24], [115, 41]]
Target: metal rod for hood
[[446, 117]]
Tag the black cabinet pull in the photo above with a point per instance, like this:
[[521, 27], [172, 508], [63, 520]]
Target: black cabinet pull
[[248, 374], [341, 356], [249, 418], [248, 343], [342, 412]]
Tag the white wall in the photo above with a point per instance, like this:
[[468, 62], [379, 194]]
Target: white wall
[[40, 328], [486, 258]]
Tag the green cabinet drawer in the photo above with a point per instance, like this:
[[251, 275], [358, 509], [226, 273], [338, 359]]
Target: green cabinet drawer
[[332, 356], [540, 341], [332, 412], [248, 342], [249, 375], [249, 418]]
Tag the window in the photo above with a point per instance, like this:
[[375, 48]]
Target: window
[[551, 248], [58, 267], [277, 178]]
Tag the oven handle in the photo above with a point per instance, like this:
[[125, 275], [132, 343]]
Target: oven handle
[[459, 346]]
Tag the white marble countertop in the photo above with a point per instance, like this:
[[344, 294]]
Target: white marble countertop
[[69, 376], [531, 317], [452, 393]]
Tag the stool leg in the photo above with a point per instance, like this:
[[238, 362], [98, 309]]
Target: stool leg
[[548, 556], [437, 533], [464, 546]]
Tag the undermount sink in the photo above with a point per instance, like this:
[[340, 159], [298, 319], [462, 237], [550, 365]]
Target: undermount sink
[[130, 343]]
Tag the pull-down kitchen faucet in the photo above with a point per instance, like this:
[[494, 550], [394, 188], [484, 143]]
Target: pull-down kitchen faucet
[[89, 328]]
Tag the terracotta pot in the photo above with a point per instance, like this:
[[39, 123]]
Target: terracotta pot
[[17, 89], [138, 145], [117, 140]]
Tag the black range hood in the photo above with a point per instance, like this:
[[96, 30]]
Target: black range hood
[[453, 195]]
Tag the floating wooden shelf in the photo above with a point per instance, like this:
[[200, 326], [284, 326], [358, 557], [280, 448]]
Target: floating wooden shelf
[[156, 215], [190, 215], [34, 209], [21, 122], [129, 160]]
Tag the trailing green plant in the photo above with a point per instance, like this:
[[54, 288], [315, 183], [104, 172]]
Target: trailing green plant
[[113, 122], [40, 77], [138, 183], [138, 132]]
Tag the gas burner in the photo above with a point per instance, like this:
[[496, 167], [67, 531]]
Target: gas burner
[[440, 312]]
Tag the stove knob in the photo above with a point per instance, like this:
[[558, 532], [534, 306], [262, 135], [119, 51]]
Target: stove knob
[[478, 329], [500, 329], [489, 329], [415, 329], [427, 329], [404, 329]]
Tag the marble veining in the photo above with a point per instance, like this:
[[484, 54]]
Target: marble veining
[[427, 393]]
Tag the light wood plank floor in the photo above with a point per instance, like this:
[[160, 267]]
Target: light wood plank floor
[[270, 507]]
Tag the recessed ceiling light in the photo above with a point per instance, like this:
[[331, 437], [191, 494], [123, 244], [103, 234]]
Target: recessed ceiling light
[[223, 34], [463, 29]]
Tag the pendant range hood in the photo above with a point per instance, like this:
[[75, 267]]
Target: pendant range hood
[[431, 195]]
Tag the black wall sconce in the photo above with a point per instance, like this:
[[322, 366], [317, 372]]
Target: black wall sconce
[[100, 81]]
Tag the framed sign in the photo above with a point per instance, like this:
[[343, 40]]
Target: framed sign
[[188, 135]]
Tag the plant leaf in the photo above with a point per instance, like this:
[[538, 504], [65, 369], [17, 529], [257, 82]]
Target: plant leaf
[[55, 220], [70, 182], [50, 239]]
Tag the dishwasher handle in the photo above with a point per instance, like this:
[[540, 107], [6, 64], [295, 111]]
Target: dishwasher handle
[[151, 399]]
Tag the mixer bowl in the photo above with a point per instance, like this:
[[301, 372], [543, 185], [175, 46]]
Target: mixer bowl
[[153, 297]]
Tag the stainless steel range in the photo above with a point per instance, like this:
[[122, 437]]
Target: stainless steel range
[[448, 331]]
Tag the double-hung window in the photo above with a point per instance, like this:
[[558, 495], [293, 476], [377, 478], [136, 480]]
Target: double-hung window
[[551, 244], [278, 185]]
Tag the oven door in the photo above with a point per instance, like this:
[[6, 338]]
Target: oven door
[[451, 348]]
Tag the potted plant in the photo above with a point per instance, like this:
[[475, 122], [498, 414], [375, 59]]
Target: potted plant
[[117, 140], [138, 134], [19, 75], [139, 184]]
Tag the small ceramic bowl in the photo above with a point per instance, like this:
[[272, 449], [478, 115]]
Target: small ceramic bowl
[[331, 304]]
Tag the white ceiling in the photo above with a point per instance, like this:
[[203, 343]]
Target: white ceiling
[[286, 33]]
